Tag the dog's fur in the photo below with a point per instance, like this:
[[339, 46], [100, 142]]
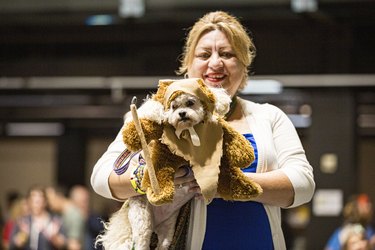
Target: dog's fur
[[134, 223], [185, 111], [132, 226]]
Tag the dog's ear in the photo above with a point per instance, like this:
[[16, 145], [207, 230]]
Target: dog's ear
[[222, 102], [162, 88], [206, 90]]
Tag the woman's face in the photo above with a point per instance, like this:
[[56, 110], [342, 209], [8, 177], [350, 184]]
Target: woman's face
[[37, 202], [216, 63]]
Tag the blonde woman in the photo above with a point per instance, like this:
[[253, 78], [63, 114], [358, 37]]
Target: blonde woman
[[219, 51]]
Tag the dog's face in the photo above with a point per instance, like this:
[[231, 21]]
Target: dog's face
[[185, 111]]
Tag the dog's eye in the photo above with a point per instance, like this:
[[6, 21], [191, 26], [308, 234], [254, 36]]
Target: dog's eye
[[174, 106], [190, 103]]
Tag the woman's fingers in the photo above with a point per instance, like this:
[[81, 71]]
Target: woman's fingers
[[183, 171], [184, 177]]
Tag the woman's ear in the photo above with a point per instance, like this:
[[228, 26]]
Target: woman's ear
[[222, 102]]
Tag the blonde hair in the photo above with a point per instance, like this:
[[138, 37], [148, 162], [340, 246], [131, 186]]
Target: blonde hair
[[18, 208], [234, 31]]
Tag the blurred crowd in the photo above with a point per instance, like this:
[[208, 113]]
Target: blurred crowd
[[55, 218], [50, 218], [356, 231]]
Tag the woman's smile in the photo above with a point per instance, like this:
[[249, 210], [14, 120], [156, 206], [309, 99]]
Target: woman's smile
[[216, 63]]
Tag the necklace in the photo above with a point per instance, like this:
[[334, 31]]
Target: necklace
[[232, 107]]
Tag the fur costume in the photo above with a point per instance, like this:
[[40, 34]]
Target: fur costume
[[216, 163], [215, 152]]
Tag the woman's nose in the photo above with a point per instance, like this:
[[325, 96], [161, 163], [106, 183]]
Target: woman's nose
[[215, 62]]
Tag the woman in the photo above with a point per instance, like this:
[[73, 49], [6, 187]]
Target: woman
[[353, 237], [357, 213], [219, 51], [18, 209], [40, 229]]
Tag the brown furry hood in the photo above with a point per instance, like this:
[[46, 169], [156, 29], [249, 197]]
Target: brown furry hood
[[169, 89]]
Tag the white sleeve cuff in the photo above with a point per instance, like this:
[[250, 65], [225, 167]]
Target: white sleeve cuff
[[303, 184]]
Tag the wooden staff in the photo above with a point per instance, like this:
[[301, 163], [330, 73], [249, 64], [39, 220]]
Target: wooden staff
[[150, 166]]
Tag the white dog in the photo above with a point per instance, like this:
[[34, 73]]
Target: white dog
[[132, 226]]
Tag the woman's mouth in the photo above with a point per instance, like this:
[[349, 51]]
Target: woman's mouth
[[214, 80]]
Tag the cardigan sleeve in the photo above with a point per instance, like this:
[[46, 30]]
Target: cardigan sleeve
[[291, 158], [104, 167]]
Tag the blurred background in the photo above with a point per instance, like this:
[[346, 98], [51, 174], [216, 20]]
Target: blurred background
[[68, 70]]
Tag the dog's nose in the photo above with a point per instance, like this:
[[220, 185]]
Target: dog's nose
[[182, 114]]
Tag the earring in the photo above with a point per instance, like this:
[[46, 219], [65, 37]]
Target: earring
[[186, 76]]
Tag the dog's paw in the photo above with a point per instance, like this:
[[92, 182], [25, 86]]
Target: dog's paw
[[159, 199], [222, 102]]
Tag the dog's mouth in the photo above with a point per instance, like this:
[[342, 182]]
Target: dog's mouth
[[184, 123], [184, 119]]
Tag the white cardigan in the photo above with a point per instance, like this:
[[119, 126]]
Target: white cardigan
[[279, 147]]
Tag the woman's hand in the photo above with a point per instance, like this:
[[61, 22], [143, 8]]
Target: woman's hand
[[55, 237], [20, 239], [185, 189], [184, 178]]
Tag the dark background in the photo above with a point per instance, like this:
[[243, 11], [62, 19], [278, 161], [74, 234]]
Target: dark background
[[42, 38], [54, 40]]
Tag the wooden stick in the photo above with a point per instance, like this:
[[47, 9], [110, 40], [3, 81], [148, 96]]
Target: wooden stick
[[150, 166]]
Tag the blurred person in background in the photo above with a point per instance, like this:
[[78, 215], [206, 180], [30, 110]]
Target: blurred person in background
[[353, 237], [11, 197], [1, 223], [40, 229], [357, 211], [72, 219], [18, 209], [80, 196]]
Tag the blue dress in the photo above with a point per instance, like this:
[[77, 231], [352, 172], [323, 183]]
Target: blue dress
[[238, 225]]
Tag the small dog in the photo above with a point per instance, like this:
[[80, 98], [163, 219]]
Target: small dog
[[187, 110], [132, 226]]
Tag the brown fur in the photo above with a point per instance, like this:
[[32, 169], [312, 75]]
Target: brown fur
[[132, 226], [237, 154], [163, 85]]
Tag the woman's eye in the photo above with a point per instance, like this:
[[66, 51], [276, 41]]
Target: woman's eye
[[227, 55], [204, 55]]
